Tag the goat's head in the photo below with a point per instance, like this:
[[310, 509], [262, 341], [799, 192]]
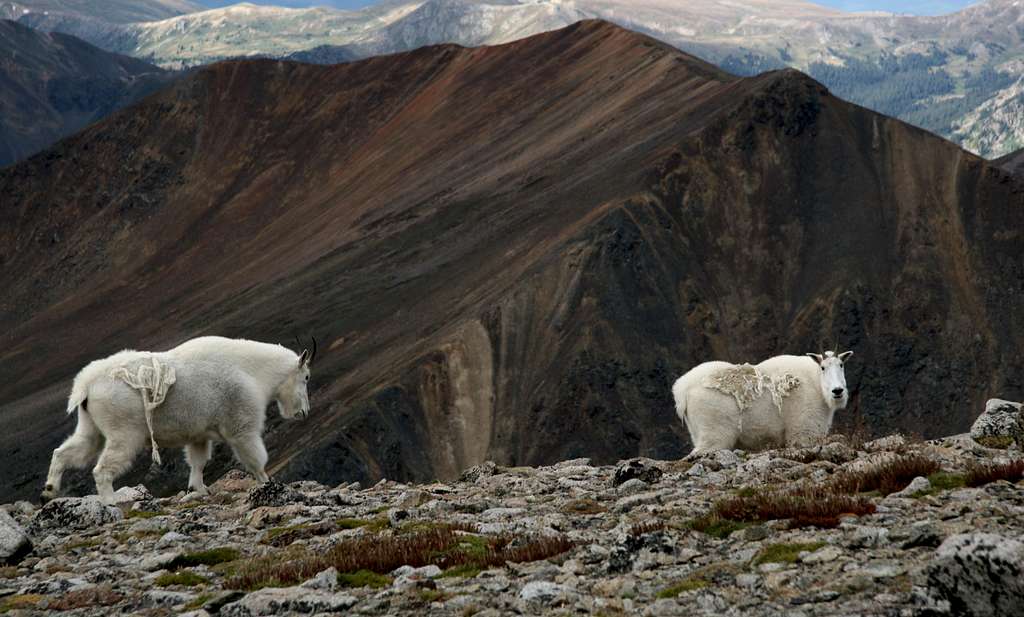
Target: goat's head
[[293, 394], [833, 377]]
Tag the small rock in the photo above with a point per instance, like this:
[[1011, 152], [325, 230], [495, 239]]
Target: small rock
[[274, 494], [171, 538], [868, 537], [638, 469], [824, 554], [978, 574], [128, 494], [917, 485], [159, 561], [634, 485], [326, 580], [14, 542], [483, 470], [543, 594], [1000, 425]]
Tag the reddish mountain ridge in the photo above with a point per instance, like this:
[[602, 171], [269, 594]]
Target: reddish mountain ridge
[[511, 252]]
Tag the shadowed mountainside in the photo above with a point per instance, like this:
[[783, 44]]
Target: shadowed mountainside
[[509, 252], [1013, 162], [52, 85]]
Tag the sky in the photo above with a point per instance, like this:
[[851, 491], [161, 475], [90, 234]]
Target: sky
[[918, 7]]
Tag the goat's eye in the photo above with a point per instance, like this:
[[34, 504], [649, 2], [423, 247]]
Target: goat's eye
[[823, 369]]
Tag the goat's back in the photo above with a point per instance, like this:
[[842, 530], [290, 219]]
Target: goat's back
[[207, 401]]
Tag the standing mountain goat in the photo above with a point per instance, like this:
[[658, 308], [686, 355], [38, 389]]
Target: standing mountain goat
[[783, 401], [206, 389]]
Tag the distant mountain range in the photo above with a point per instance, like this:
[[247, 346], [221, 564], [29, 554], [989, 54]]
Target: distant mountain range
[[52, 85], [957, 75], [508, 253]]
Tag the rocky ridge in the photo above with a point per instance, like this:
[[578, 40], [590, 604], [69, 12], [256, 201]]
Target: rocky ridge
[[619, 539]]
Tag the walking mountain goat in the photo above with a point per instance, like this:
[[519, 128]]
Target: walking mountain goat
[[783, 401], [206, 389]]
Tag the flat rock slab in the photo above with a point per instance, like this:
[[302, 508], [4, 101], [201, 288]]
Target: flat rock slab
[[291, 599]]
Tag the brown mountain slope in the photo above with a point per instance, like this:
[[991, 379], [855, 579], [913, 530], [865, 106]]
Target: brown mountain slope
[[509, 252]]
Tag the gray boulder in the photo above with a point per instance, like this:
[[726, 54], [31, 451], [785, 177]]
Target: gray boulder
[[979, 575], [1001, 424], [73, 513], [14, 543]]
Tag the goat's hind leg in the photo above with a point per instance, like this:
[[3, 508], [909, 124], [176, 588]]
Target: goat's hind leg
[[252, 453], [77, 452], [197, 455]]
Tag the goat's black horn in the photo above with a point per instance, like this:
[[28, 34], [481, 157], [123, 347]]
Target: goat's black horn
[[312, 356]]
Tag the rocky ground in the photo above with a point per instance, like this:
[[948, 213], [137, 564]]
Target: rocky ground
[[627, 539]]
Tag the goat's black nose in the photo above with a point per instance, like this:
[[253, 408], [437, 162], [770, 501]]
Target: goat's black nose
[[837, 392]]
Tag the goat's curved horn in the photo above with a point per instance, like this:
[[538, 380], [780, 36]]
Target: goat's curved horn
[[312, 356]]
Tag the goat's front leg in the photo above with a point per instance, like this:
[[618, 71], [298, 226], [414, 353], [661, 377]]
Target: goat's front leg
[[252, 453], [76, 452]]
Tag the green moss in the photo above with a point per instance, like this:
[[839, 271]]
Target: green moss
[[199, 601], [716, 526], [185, 579], [942, 481], [999, 443], [20, 601], [278, 531], [689, 584], [211, 557], [464, 571], [474, 548], [143, 514], [363, 578], [86, 543], [785, 553], [374, 525]]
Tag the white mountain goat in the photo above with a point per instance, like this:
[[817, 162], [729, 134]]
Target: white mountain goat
[[783, 401], [208, 388]]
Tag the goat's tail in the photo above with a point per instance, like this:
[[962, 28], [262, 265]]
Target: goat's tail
[[679, 391]]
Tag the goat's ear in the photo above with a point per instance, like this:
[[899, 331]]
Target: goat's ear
[[816, 357], [304, 357], [843, 356]]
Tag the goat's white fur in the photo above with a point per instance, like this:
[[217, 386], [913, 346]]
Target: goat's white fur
[[783, 401], [223, 387]]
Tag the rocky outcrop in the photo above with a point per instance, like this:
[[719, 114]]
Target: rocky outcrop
[[1000, 425], [642, 546]]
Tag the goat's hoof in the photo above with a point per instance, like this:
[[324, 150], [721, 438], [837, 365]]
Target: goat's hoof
[[46, 496]]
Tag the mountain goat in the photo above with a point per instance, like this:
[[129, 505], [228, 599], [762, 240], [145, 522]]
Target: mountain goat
[[206, 389], [783, 401]]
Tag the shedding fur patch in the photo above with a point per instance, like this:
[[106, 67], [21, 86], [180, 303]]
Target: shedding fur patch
[[746, 384], [152, 382]]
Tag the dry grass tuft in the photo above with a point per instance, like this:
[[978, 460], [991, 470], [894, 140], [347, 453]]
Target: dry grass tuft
[[85, 598], [886, 478], [805, 506], [440, 545], [645, 527], [982, 474]]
